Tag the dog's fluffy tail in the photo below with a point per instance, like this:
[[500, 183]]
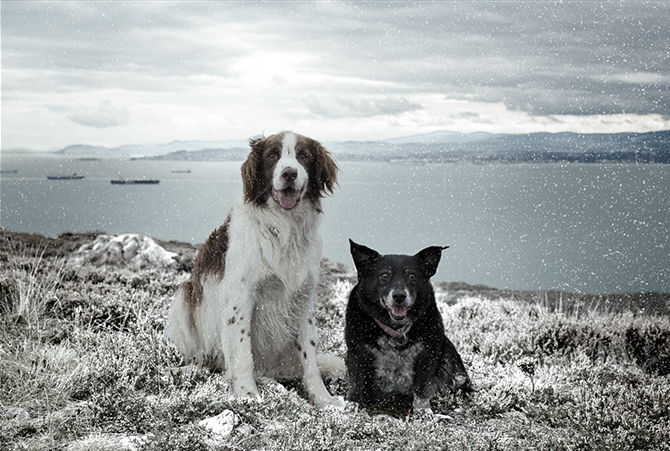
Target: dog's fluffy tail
[[331, 366]]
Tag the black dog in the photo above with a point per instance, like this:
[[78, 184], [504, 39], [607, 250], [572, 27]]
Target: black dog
[[398, 355]]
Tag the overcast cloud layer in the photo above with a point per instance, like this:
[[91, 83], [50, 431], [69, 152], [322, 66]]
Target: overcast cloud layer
[[113, 73]]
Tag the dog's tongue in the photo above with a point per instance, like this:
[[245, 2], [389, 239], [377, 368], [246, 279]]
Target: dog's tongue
[[287, 198], [399, 312]]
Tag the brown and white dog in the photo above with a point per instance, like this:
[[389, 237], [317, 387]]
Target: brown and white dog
[[248, 306]]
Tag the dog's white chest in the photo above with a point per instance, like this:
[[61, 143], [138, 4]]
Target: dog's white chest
[[394, 366]]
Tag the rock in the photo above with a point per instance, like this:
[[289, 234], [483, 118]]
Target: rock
[[221, 425], [132, 250]]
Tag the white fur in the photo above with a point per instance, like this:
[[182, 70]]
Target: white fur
[[289, 160], [257, 321], [394, 366]]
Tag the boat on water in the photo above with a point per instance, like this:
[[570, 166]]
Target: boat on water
[[135, 182], [181, 171], [65, 177]]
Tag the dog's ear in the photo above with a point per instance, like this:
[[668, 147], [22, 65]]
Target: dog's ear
[[250, 169], [364, 257], [326, 168], [429, 258]]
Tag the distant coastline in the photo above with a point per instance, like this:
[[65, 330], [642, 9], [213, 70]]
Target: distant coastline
[[436, 147], [639, 148]]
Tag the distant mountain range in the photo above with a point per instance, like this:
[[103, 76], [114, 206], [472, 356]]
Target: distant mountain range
[[652, 147], [150, 150], [441, 146]]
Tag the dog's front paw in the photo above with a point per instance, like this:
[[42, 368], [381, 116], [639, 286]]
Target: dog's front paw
[[421, 409], [424, 414], [331, 403]]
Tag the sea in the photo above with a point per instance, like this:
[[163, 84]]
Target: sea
[[585, 228]]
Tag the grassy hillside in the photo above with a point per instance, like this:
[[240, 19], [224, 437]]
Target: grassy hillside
[[83, 366]]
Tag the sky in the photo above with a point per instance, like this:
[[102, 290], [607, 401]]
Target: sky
[[130, 72]]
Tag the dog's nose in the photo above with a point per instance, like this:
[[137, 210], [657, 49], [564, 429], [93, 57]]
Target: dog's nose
[[399, 297], [289, 174]]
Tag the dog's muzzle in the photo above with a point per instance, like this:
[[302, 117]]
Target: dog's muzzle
[[289, 194], [398, 303]]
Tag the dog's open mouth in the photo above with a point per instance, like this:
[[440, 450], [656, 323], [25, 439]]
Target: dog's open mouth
[[397, 312], [287, 198]]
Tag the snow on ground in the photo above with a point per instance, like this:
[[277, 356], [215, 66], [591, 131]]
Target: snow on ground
[[132, 250]]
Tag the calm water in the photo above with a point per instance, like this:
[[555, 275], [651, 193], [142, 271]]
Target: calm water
[[588, 228]]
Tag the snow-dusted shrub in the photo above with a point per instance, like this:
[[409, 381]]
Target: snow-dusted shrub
[[649, 345], [497, 330], [643, 340], [563, 337]]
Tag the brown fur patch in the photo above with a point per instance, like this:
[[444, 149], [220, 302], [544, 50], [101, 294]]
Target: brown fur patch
[[211, 261]]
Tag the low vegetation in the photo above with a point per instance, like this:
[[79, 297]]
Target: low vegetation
[[83, 365]]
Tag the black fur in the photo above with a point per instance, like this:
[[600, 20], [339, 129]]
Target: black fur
[[408, 359]]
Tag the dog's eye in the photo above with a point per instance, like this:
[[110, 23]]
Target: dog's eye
[[385, 277], [273, 155], [303, 156], [411, 277]]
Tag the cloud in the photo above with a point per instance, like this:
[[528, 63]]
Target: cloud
[[106, 115], [358, 106], [541, 58], [268, 62]]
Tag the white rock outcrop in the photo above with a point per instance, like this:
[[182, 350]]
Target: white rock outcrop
[[131, 250]]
